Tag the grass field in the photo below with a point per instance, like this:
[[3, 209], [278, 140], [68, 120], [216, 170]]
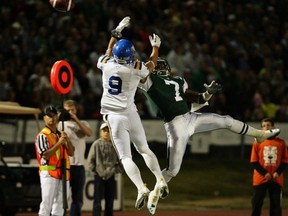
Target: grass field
[[204, 187], [204, 183]]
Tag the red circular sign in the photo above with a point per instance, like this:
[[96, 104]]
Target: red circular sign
[[61, 77]]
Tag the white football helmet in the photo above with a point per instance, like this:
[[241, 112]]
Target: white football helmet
[[162, 67]]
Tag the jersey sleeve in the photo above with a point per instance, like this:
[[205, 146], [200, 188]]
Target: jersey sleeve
[[102, 60], [42, 144], [144, 72], [254, 156], [185, 86], [146, 85], [284, 153], [91, 158]]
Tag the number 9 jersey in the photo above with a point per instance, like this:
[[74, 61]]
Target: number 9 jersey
[[119, 83]]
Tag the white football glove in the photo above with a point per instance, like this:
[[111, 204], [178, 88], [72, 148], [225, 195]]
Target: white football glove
[[213, 87], [116, 33], [125, 22], [155, 40]]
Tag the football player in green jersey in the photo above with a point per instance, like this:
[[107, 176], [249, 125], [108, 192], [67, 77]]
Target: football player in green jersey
[[170, 94]]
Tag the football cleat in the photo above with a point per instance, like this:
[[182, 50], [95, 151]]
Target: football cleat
[[163, 188], [142, 197], [268, 134], [153, 201]]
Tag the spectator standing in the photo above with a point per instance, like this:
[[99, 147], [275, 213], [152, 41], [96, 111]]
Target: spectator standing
[[104, 163], [51, 146], [269, 159], [77, 131]]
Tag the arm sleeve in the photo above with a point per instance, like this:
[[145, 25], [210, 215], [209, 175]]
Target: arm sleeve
[[185, 85], [91, 159], [259, 168], [42, 144], [281, 168]]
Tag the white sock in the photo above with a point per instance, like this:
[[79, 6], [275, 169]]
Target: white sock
[[245, 129], [133, 172]]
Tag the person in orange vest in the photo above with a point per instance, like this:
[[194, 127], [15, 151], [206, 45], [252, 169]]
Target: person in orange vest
[[51, 147], [269, 159]]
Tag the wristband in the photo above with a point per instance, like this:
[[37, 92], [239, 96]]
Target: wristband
[[116, 34]]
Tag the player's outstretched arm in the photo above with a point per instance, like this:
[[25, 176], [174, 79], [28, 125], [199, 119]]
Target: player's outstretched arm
[[116, 34], [155, 42], [197, 97]]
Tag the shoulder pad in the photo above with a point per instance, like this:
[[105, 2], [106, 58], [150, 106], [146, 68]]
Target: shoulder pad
[[46, 131], [105, 58]]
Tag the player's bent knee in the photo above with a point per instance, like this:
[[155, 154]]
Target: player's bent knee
[[144, 150], [172, 173], [125, 159], [228, 120]]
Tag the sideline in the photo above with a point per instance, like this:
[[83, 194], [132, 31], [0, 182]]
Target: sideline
[[219, 212]]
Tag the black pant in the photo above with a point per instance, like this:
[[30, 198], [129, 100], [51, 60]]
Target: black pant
[[106, 189], [275, 195], [77, 182]]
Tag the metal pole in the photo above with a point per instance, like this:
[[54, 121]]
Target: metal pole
[[64, 178]]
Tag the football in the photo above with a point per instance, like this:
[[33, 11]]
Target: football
[[62, 5]]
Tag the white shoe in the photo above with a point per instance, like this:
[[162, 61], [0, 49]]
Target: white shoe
[[153, 201], [142, 197], [164, 190], [268, 134]]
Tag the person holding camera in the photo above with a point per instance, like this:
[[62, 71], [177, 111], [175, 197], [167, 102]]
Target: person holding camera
[[77, 131]]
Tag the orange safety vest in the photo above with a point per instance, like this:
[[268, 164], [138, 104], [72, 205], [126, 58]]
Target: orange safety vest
[[55, 161]]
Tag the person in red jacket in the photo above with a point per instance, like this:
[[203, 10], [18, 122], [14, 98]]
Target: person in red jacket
[[269, 159]]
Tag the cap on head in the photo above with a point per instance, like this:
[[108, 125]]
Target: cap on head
[[103, 125], [123, 51], [162, 67], [49, 109]]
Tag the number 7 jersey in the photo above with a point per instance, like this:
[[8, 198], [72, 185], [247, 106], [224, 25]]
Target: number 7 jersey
[[119, 83], [168, 93]]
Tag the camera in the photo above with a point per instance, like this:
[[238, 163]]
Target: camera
[[64, 115]]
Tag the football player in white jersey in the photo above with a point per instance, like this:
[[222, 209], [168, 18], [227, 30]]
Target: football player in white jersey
[[121, 73], [170, 94]]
